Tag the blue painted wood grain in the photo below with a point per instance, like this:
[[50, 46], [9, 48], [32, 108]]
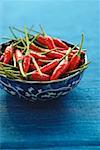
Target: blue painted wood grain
[[72, 122]]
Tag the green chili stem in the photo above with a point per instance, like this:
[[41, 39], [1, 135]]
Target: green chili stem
[[1, 52], [42, 30], [31, 28], [35, 37], [81, 43], [21, 69], [34, 31], [12, 71], [1, 63], [16, 43], [27, 40], [46, 61], [19, 30], [79, 69], [36, 65], [2, 72], [20, 47], [12, 32], [68, 52], [5, 71], [14, 60], [85, 64], [30, 73], [8, 38], [48, 51], [22, 40], [6, 68]]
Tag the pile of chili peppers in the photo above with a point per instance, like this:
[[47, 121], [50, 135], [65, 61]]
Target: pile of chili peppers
[[40, 57]]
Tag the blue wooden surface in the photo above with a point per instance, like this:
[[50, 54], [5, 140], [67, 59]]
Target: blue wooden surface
[[72, 122]]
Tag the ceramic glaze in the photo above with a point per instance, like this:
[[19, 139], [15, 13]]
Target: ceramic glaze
[[39, 91]]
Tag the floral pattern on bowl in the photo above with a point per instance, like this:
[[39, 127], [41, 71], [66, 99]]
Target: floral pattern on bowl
[[39, 91]]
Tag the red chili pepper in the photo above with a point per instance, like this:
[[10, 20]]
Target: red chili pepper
[[41, 39], [18, 55], [74, 62], [69, 56], [8, 54], [76, 59], [60, 69], [62, 66], [37, 77], [34, 47], [56, 63], [61, 48], [26, 63], [32, 67], [1, 58], [62, 52], [75, 51], [39, 62], [19, 58], [81, 62], [59, 43], [54, 54], [38, 56], [51, 65], [49, 42], [46, 68]]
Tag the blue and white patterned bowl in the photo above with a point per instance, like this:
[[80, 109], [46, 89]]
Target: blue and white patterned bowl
[[41, 90]]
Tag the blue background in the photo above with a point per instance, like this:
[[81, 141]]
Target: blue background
[[72, 122]]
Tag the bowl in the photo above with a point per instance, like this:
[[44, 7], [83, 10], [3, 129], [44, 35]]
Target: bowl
[[40, 90]]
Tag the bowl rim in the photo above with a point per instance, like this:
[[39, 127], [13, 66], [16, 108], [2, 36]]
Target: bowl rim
[[45, 82]]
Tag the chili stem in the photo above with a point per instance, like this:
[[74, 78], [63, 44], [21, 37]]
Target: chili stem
[[6, 68], [46, 61], [14, 60], [1, 52], [42, 30], [8, 38], [1, 63], [35, 37], [6, 72], [30, 73], [48, 51], [12, 32], [19, 30], [27, 40], [34, 31], [36, 65], [68, 52], [85, 64], [22, 40], [79, 69], [30, 28], [21, 69], [13, 71], [20, 47], [16, 43], [81, 43]]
